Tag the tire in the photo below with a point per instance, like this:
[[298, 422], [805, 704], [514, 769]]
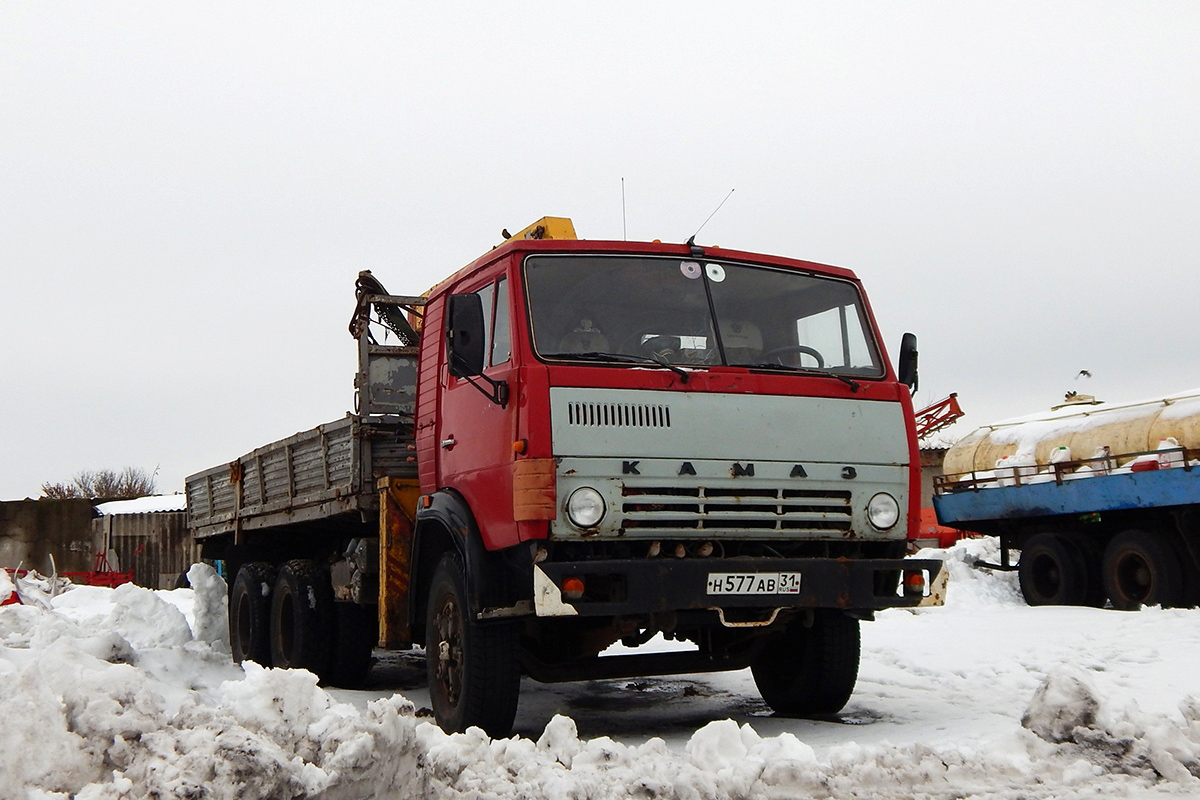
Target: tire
[[1141, 568], [357, 633], [302, 619], [250, 613], [810, 671], [473, 668], [1054, 572]]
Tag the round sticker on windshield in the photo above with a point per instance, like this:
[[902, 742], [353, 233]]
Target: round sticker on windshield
[[715, 272], [690, 269]]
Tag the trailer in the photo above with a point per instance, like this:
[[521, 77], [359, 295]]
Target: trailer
[[1119, 527], [569, 444]]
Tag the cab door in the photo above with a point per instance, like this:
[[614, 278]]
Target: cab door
[[477, 425]]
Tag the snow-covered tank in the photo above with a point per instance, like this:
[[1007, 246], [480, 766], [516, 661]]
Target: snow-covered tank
[[1083, 429]]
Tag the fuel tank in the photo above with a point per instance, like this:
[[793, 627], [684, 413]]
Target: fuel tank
[[1083, 429]]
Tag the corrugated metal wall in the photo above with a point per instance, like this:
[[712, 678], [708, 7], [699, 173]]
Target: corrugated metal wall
[[155, 547]]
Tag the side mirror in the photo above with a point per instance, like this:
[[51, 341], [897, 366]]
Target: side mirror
[[465, 335], [907, 369]]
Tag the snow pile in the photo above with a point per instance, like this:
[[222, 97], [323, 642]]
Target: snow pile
[[128, 693], [972, 587], [1067, 710], [113, 694], [1064, 702], [6, 585], [211, 609]]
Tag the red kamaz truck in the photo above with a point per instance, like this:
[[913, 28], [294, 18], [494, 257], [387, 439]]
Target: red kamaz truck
[[569, 444]]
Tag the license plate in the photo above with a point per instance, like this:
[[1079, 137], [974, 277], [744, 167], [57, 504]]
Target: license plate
[[754, 583]]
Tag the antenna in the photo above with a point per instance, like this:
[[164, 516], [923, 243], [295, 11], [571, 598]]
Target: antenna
[[624, 230], [713, 214]]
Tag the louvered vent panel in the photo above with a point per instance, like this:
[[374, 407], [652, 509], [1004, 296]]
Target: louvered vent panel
[[618, 415]]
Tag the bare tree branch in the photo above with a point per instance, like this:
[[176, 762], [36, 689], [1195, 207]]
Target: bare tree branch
[[104, 484]]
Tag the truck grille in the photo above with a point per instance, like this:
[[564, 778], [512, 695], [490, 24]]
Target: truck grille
[[618, 415], [676, 509]]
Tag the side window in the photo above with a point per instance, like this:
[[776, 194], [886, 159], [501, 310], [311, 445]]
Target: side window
[[486, 295], [501, 337]]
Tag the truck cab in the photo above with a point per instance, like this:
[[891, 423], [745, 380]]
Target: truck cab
[[620, 440]]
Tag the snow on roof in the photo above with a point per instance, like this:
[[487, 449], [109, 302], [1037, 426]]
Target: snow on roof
[[145, 505]]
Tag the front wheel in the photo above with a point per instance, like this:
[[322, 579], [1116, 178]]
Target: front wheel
[[473, 667], [803, 671]]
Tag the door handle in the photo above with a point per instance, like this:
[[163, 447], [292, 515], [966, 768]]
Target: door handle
[[448, 443]]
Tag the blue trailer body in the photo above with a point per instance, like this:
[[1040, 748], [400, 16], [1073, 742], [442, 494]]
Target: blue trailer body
[[1156, 489], [1129, 538]]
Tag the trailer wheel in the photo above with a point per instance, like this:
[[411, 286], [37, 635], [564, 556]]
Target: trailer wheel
[[1053, 572], [473, 667], [302, 619], [250, 613], [805, 671], [357, 632], [1141, 568]]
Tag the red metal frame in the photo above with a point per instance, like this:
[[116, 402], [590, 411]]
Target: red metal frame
[[937, 416], [101, 574]]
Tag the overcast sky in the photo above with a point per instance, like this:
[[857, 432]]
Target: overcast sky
[[187, 191]]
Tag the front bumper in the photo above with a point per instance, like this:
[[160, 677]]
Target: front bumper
[[646, 586]]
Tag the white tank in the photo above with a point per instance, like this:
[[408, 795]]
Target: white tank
[[1083, 429]]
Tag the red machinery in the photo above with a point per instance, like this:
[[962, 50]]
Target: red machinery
[[937, 416], [929, 533], [101, 574]]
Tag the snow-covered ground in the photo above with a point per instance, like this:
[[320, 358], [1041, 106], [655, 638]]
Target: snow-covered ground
[[130, 693]]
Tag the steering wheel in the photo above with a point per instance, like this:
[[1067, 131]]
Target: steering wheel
[[775, 352]]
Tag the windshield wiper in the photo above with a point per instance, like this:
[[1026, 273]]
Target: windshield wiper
[[597, 355], [853, 384]]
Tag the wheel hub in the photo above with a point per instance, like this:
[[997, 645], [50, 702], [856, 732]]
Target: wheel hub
[[1136, 578], [449, 650], [1047, 577]]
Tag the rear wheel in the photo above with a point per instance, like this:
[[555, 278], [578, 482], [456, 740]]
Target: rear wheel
[[810, 670], [473, 667], [302, 619], [250, 613], [1053, 572], [1141, 568]]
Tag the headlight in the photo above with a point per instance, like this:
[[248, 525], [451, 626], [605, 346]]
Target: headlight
[[883, 511], [585, 507]]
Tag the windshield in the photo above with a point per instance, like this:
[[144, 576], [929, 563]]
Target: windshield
[[696, 312]]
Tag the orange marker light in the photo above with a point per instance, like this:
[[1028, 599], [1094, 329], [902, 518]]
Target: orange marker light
[[573, 588], [914, 583], [520, 446]]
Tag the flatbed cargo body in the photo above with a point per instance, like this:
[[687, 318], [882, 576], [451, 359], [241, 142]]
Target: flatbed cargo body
[[311, 476]]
